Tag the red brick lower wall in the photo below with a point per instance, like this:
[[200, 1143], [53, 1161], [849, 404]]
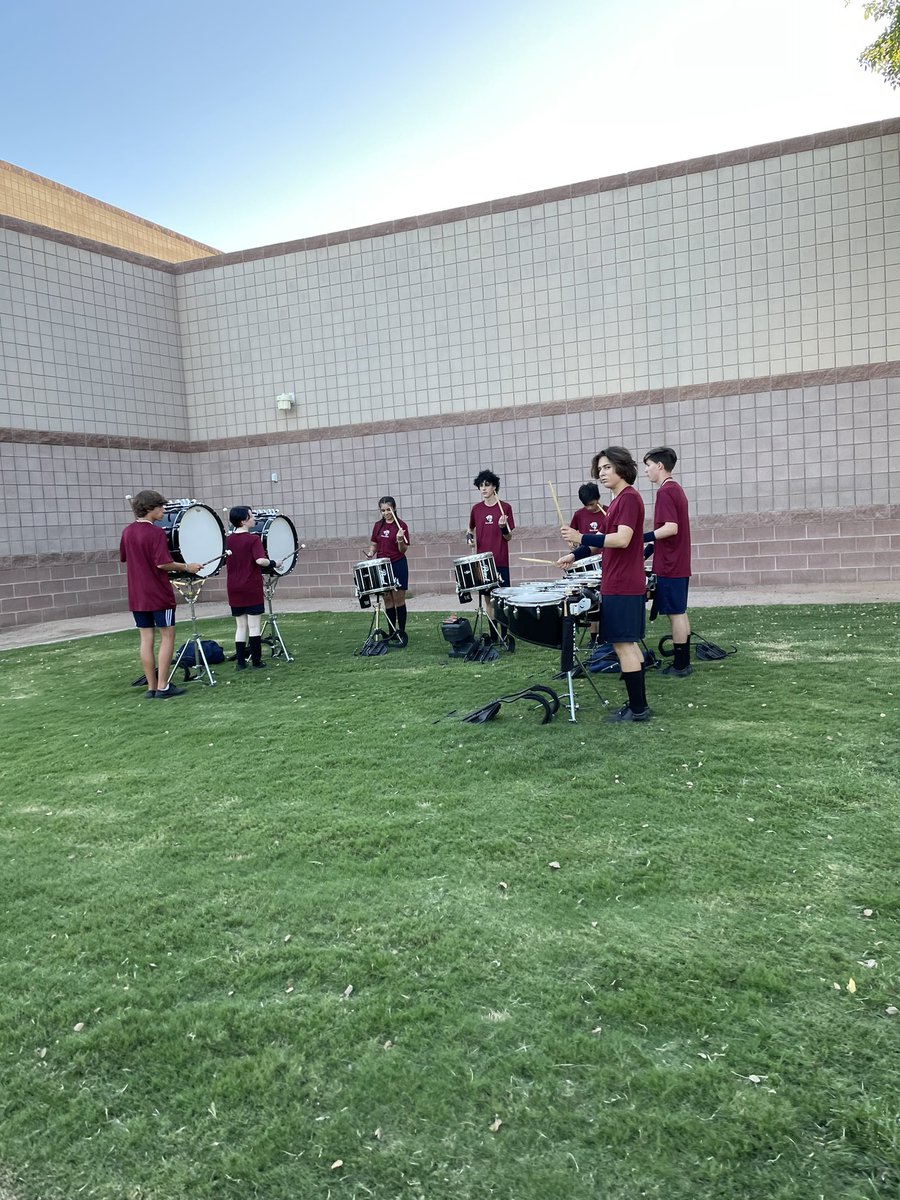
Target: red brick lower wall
[[746, 550]]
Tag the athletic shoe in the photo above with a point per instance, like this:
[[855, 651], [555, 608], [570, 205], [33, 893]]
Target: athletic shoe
[[677, 672], [149, 695], [169, 692], [625, 714], [260, 666], [240, 666]]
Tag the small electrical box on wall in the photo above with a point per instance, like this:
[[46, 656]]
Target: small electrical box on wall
[[274, 476], [285, 401]]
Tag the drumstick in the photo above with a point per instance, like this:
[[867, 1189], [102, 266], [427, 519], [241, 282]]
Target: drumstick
[[217, 558], [562, 519], [400, 533], [544, 562]]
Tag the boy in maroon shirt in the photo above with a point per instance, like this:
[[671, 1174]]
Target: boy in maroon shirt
[[670, 540], [144, 548], [624, 585], [591, 518], [247, 555], [491, 523]]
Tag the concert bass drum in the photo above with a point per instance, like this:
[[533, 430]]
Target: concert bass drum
[[195, 534], [278, 535]]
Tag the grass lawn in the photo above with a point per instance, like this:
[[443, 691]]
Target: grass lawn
[[296, 937]]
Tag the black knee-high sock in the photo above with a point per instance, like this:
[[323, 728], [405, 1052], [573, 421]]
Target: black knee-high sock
[[637, 692], [256, 650], [391, 614], [401, 617], [682, 655], [240, 649]]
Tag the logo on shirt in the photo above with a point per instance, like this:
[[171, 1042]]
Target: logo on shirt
[[489, 519], [593, 528]]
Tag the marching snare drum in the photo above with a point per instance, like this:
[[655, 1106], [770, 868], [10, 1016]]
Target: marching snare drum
[[373, 576], [278, 535], [195, 534], [477, 573], [535, 612], [587, 570]]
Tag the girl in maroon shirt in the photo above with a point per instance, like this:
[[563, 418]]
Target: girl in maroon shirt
[[390, 539], [246, 559]]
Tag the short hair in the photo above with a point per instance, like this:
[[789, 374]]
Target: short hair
[[664, 455], [145, 502], [626, 467], [588, 493], [238, 514], [487, 477], [388, 500]]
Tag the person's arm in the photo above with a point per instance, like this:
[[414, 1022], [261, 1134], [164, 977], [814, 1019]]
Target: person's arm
[[665, 531], [620, 539], [174, 568], [370, 553]]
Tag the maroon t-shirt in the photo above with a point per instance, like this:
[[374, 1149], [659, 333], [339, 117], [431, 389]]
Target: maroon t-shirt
[[623, 569], [484, 519], [384, 535], [586, 521], [245, 581], [672, 556], [143, 547]]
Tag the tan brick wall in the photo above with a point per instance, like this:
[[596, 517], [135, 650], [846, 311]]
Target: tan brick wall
[[30, 197]]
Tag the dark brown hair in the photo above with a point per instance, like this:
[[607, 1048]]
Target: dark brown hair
[[626, 467]]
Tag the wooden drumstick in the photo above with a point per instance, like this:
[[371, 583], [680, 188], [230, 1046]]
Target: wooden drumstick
[[562, 519], [400, 533], [544, 562]]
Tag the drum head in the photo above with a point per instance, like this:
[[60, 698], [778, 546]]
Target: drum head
[[200, 537], [280, 540]]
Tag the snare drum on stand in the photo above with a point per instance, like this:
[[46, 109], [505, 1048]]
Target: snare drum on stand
[[374, 577], [478, 573]]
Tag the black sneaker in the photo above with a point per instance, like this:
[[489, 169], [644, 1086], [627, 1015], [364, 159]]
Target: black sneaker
[[149, 695], [677, 672], [260, 666], [169, 692], [240, 666], [624, 714]]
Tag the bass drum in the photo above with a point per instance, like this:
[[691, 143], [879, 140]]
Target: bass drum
[[279, 537], [195, 534]]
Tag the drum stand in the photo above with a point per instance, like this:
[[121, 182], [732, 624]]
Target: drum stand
[[494, 633], [570, 662], [190, 588], [270, 633], [377, 641]]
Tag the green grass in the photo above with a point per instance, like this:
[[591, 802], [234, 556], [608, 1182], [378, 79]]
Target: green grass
[[199, 882]]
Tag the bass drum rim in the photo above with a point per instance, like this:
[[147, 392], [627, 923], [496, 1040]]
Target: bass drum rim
[[174, 524], [261, 528]]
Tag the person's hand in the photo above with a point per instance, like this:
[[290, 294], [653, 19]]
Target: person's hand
[[504, 521], [193, 568], [470, 538], [570, 535], [566, 560]]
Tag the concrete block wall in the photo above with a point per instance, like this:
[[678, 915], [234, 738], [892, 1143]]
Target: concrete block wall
[[743, 308]]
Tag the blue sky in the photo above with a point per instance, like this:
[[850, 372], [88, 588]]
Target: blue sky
[[243, 125]]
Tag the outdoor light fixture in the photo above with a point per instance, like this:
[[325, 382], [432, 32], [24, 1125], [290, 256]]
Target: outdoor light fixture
[[285, 401]]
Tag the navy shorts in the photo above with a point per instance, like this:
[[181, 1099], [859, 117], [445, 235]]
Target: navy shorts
[[248, 610], [672, 595], [623, 618], [401, 573], [162, 618]]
